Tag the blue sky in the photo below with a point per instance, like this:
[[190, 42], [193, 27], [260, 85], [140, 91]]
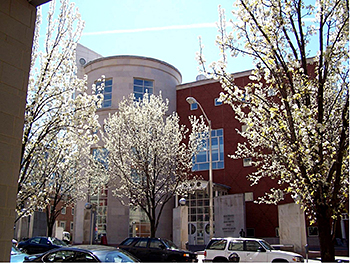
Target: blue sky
[[163, 29]]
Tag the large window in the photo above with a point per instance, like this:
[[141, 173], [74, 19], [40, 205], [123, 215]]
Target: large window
[[142, 86], [106, 92], [201, 160], [139, 225]]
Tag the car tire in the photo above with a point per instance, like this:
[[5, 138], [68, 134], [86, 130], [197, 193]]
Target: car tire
[[220, 259]]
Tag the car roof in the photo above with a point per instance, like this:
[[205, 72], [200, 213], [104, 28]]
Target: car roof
[[237, 238]]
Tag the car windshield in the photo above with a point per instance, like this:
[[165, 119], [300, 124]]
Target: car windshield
[[58, 242], [170, 244], [266, 245]]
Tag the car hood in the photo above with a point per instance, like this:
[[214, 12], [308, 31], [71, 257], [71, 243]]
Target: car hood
[[283, 252]]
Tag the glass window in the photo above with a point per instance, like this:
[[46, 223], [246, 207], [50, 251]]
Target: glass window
[[236, 245], [201, 160], [142, 86], [63, 211], [247, 162], [217, 102], [155, 243], [106, 92], [193, 106], [218, 244], [252, 246], [141, 243]]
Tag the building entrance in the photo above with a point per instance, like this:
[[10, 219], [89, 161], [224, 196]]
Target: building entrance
[[198, 213]]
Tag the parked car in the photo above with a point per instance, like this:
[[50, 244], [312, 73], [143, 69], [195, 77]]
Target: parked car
[[36, 245], [246, 250], [84, 253], [156, 250], [17, 255]]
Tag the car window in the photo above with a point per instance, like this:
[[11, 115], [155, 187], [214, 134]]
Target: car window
[[60, 256], [236, 245], [84, 257], [44, 241], [169, 244], [266, 245], [141, 243], [217, 244], [116, 256], [35, 240], [155, 243], [58, 242], [252, 245], [127, 242]]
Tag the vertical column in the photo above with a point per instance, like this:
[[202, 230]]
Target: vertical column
[[17, 21]]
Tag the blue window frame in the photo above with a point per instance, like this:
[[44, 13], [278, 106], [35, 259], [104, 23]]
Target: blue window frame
[[194, 106], [107, 93], [201, 160], [101, 155], [141, 86], [217, 102]]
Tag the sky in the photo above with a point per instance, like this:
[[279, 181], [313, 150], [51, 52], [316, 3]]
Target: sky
[[167, 30]]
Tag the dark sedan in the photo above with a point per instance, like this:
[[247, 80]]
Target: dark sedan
[[156, 250], [84, 253], [36, 245]]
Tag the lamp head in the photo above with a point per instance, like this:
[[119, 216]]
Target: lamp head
[[191, 100]]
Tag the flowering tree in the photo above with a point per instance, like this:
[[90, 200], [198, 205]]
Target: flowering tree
[[147, 158], [296, 108], [60, 121]]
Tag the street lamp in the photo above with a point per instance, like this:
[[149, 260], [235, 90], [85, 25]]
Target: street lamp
[[191, 101]]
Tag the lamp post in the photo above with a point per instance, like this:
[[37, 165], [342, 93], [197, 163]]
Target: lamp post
[[190, 101]]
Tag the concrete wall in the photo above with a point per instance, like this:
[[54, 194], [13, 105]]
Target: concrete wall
[[229, 212], [17, 22], [123, 70], [292, 227], [180, 226]]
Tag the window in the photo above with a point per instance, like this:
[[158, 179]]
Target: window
[[193, 106], [236, 245], [312, 231], [252, 246], [155, 243], [217, 102], [101, 155], [63, 224], [217, 244], [201, 160], [142, 86], [141, 243], [72, 211], [247, 162], [106, 92], [71, 226], [63, 211]]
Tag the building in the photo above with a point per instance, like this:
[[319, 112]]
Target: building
[[235, 212], [124, 75]]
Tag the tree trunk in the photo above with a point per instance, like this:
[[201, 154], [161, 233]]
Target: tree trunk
[[153, 228], [326, 237]]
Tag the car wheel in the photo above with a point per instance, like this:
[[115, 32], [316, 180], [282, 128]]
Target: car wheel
[[220, 259]]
